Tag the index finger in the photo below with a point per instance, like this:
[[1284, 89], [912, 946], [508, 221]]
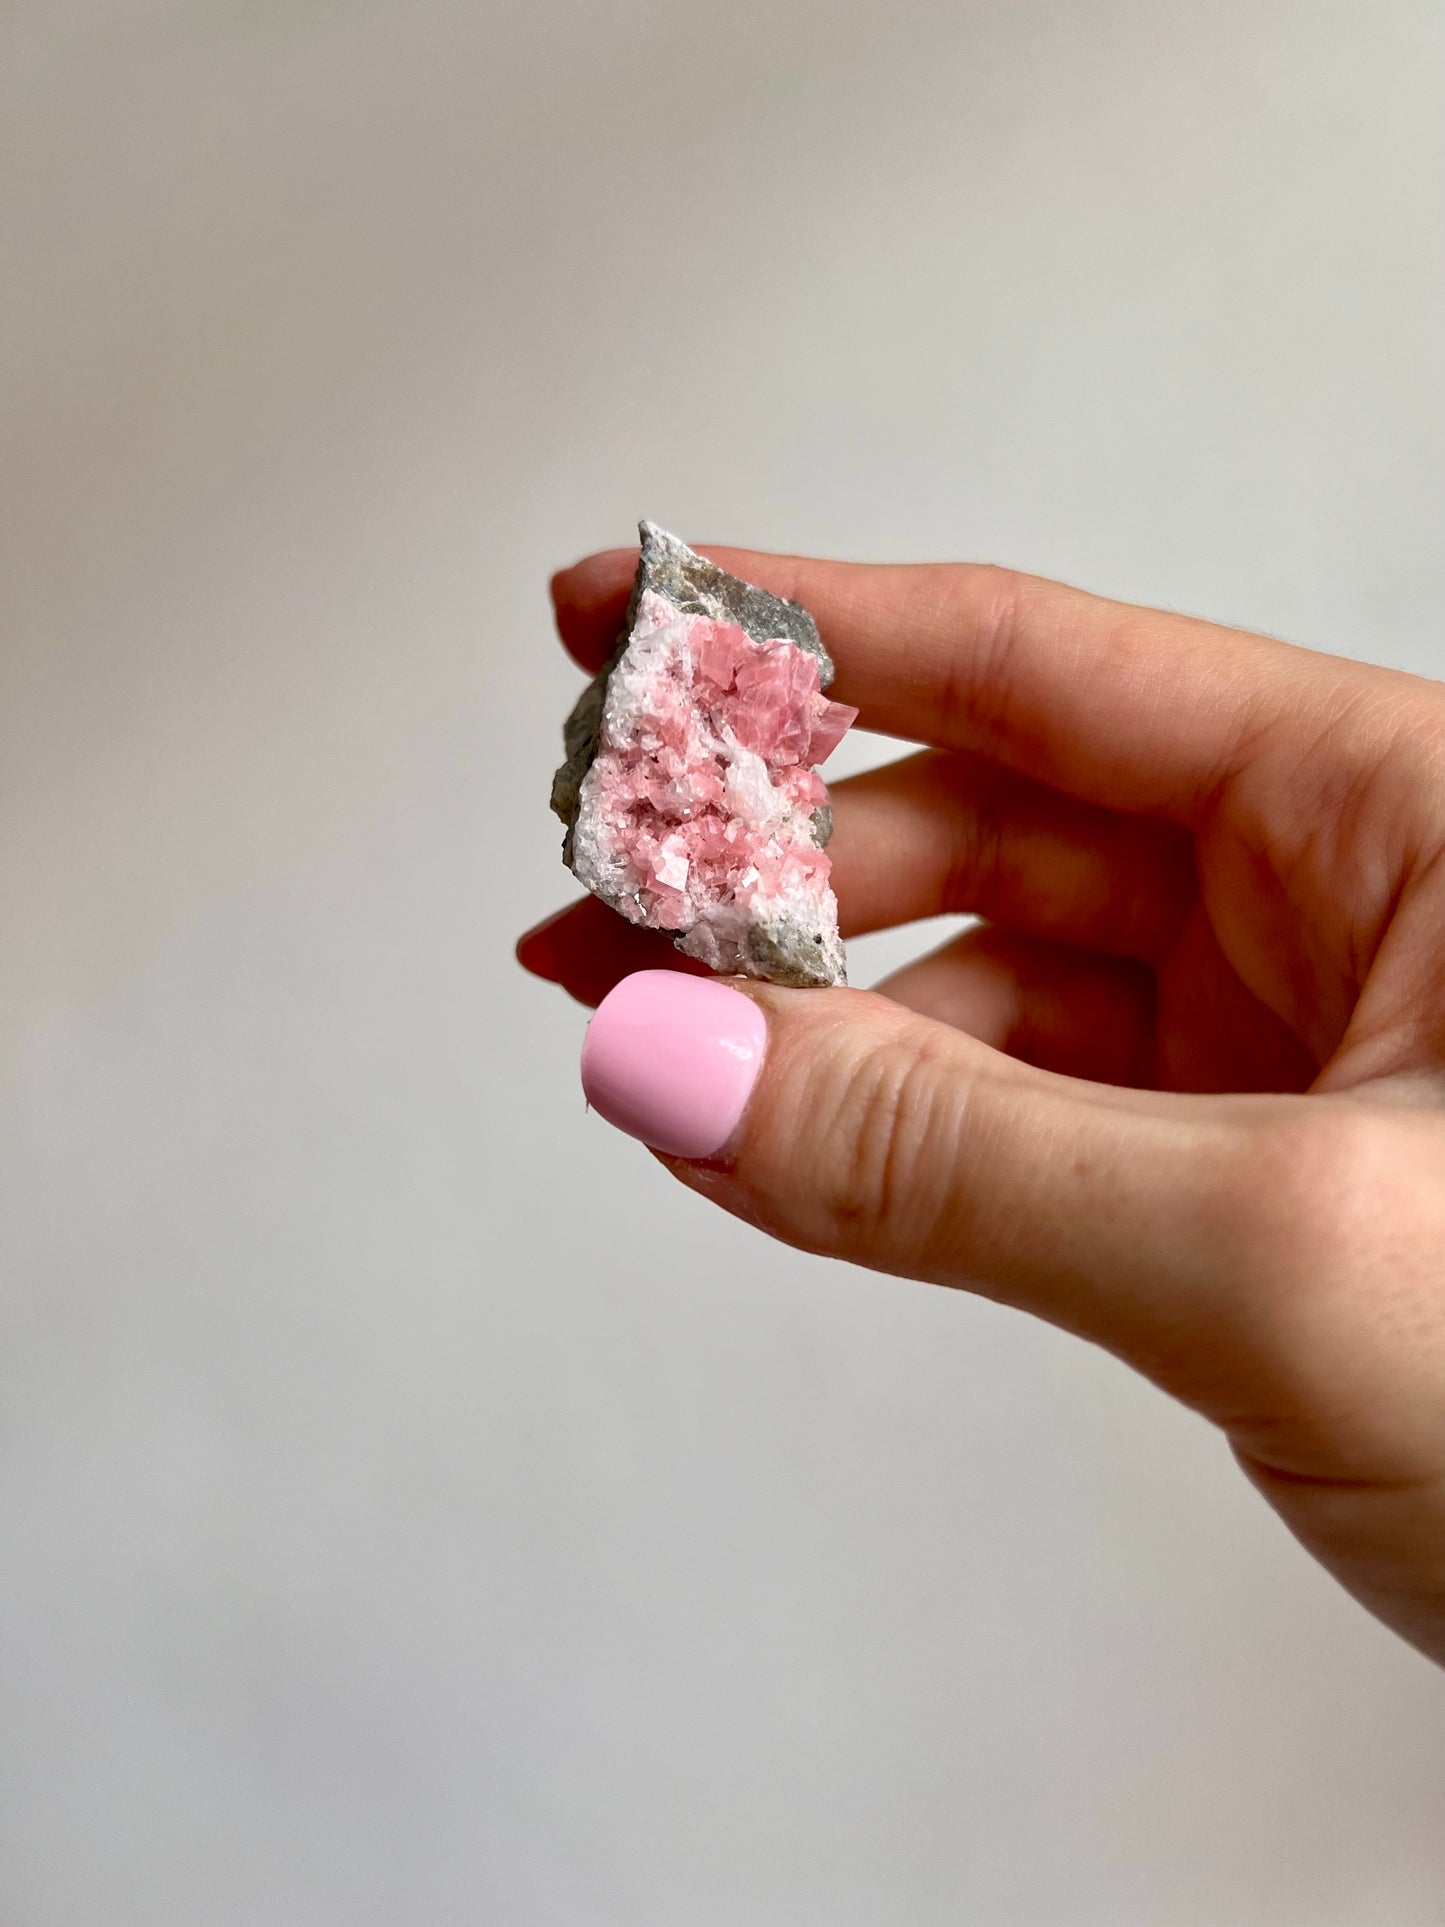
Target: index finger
[[1132, 708]]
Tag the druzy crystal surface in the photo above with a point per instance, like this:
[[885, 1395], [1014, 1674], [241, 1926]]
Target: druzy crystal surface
[[690, 790]]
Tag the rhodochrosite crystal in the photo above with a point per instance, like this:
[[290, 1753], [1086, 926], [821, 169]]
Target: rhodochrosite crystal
[[689, 792]]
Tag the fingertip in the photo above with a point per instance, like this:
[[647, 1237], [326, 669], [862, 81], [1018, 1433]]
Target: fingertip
[[536, 949], [590, 596], [672, 1060], [587, 948], [599, 574], [589, 602]]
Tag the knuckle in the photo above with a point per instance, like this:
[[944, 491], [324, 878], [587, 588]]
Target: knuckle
[[976, 853], [977, 607], [883, 1178]]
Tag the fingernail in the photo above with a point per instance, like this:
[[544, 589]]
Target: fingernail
[[673, 1059]]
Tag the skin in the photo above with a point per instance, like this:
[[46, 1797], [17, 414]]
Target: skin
[[1183, 1091]]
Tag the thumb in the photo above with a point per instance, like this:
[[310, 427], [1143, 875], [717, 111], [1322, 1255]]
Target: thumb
[[846, 1125]]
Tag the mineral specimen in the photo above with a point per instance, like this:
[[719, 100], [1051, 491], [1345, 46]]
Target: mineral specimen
[[689, 791]]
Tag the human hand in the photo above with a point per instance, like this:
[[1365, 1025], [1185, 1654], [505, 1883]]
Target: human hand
[[1182, 1092]]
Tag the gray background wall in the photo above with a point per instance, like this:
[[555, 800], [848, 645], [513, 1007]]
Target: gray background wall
[[412, 1507]]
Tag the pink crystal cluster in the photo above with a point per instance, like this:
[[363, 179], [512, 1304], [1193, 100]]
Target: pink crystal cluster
[[697, 813]]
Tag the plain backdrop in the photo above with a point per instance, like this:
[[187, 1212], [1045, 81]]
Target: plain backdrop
[[413, 1508]]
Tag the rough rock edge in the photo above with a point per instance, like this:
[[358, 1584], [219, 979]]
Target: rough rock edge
[[699, 587]]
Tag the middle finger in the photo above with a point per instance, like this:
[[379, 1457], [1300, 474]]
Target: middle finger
[[942, 833]]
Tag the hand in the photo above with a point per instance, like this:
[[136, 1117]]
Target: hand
[[1181, 1092]]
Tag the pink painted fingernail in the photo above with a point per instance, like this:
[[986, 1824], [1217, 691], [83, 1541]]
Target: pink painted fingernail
[[673, 1060]]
